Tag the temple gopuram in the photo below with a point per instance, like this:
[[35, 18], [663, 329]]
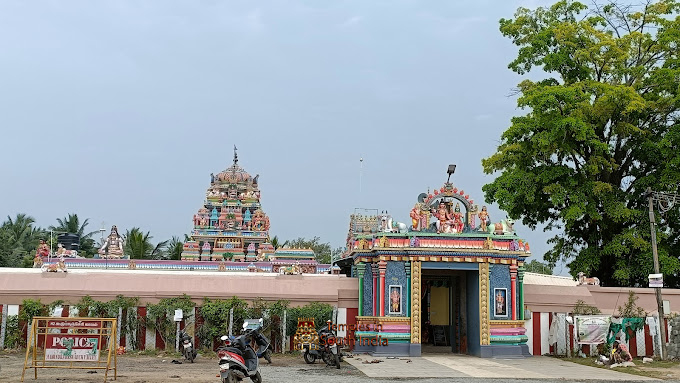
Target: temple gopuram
[[449, 279], [231, 227], [231, 224]]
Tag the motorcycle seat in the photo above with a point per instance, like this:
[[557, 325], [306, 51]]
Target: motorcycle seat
[[233, 349]]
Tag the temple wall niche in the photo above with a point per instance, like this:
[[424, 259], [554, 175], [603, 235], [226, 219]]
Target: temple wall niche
[[499, 278], [395, 274]]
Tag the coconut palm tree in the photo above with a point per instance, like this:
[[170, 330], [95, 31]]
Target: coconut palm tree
[[174, 249], [71, 224], [18, 239], [275, 242], [138, 245]]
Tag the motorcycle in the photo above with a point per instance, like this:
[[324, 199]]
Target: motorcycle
[[327, 349], [264, 347], [188, 350], [238, 359]]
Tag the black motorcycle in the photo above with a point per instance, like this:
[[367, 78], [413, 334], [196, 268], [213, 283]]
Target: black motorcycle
[[188, 350], [264, 347], [328, 349]]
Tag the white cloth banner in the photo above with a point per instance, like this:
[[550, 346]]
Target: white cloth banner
[[592, 329]]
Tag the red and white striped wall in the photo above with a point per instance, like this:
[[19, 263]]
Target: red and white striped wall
[[642, 343], [150, 339]]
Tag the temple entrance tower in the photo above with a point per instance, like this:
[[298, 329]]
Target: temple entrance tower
[[448, 278], [230, 225]]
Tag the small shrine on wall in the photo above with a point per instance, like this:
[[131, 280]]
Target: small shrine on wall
[[230, 225], [450, 276]]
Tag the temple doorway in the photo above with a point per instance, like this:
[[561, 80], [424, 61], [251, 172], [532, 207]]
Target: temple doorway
[[444, 319]]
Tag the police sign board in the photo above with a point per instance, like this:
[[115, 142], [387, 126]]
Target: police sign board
[[72, 347]]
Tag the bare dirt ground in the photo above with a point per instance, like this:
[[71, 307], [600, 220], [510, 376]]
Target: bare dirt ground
[[157, 369]]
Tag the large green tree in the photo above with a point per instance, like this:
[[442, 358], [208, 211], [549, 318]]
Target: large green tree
[[600, 127], [71, 224]]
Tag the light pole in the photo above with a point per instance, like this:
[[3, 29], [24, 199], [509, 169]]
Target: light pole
[[101, 244], [666, 202]]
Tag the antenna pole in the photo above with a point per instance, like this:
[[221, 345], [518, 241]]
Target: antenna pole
[[361, 172]]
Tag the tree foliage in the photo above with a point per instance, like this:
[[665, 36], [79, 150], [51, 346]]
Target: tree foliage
[[321, 312], [538, 267], [160, 317], [71, 224], [582, 308], [138, 245], [19, 239], [174, 249], [599, 128], [322, 251], [630, 309]]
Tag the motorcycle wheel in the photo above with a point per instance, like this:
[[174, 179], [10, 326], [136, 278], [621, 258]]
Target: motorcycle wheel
[[191, 356], [231, 378], [328, 358], [257, 378], [309, 358], [268, 356], [337, 361]]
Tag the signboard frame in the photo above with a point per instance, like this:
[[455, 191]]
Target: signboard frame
[[72, 343], [655, 280], [594, 328]]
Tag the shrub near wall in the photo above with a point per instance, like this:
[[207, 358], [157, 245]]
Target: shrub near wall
[[321, 312], [160, 317], [215, 314]]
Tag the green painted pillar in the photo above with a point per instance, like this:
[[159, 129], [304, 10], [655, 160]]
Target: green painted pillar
[[407, 268], [361, 267], [520, 279]]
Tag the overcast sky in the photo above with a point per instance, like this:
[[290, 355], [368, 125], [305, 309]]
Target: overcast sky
[[120, 110]]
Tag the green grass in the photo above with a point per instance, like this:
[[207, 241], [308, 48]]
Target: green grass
[[650, 370]]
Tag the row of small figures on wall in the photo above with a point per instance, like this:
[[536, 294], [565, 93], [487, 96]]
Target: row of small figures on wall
[[233, 194]]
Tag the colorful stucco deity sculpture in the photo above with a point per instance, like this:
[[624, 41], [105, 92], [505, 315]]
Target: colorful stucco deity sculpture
[[483, 219], [444, 218], [43, 250], [458, 223], [416, 217], [113, 246]]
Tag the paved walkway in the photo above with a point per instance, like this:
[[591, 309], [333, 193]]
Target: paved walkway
[[462, 366]]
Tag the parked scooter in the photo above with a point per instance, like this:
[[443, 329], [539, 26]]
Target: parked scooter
[[238, 359], [327, 350], [188, 350], [264, 347]]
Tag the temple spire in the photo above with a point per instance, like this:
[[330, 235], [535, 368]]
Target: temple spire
[[235, 156]]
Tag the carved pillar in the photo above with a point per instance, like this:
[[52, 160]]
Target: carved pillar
[[513, 290], [484, 330], [415, 301], [361, 267], [520, 275], [376, 298], [407, 303], [382, 266]]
